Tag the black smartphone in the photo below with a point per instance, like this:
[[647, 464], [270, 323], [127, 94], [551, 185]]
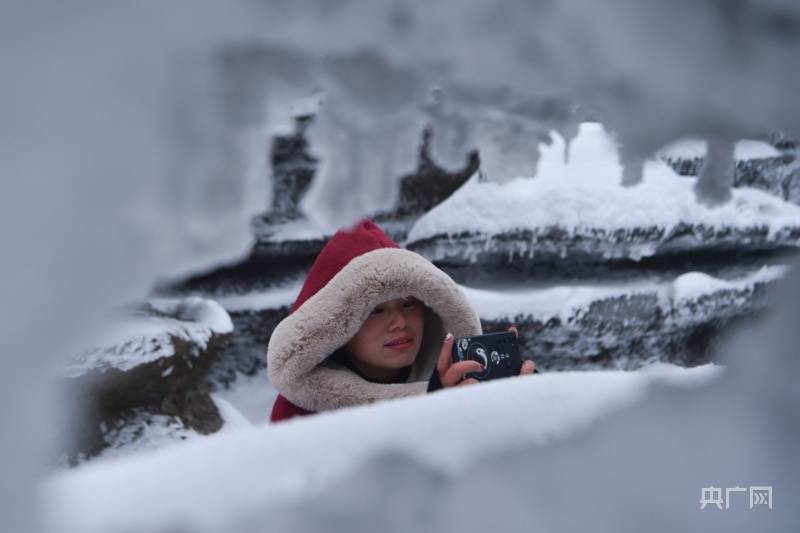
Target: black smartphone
[[498, 352]]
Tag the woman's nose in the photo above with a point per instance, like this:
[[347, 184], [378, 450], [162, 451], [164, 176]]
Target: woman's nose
[[397, 320]]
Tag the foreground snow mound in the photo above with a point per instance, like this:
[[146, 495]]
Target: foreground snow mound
[[240, 480], [580, 212]]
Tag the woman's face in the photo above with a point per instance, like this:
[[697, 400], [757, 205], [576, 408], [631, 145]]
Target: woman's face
[[389, 339]]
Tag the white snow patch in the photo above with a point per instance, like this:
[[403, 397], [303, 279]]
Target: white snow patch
[[300, 230], [542, 304], [232, 417], [252, 396], [747, 149], [695, 284], [195, 309], [275, 298], [744, 150], [565, 301]]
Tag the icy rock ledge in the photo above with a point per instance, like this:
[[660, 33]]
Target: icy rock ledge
[[533, 222], [146, 374], [626, 327]]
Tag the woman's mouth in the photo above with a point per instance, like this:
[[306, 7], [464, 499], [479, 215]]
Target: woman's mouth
[[400, 343]]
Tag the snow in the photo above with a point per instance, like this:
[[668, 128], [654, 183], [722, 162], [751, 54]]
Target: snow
[[692, 285], [213, 483], [298, 230], [250, 396], [744, 150], [567, 300], [142, 434], [748, 149], [232, 417], [275, 298], [125, 341], [586, 194], [195, 309]]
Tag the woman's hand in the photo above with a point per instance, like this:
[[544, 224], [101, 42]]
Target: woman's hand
[[528, 366], [452, 374]]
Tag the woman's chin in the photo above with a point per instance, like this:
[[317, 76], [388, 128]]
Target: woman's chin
[[399, 358]]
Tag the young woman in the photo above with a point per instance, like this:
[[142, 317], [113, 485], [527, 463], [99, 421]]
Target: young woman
[[372, 322]]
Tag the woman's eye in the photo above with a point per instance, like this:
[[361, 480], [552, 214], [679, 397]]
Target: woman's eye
[[410, 303], [377, 311]]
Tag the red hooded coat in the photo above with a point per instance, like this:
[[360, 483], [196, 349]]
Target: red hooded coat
[[358, 268]]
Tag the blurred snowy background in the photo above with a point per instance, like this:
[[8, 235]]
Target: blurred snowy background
[[619, 179]]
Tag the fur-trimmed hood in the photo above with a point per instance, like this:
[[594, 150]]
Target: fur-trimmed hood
[[359, 269]]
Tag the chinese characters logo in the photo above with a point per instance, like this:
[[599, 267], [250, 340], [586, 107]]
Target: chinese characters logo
[[759, 496]]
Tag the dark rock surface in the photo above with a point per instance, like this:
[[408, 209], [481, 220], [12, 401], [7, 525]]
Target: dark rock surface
[[431, 185], [293, 169], [246, 351]]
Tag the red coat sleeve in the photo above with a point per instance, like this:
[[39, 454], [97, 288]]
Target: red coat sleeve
[[283, 409]]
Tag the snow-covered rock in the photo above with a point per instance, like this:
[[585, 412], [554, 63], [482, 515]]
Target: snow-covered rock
[[133, 339], [144, 377], [758, 164], [579, 213], [625, 325]]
